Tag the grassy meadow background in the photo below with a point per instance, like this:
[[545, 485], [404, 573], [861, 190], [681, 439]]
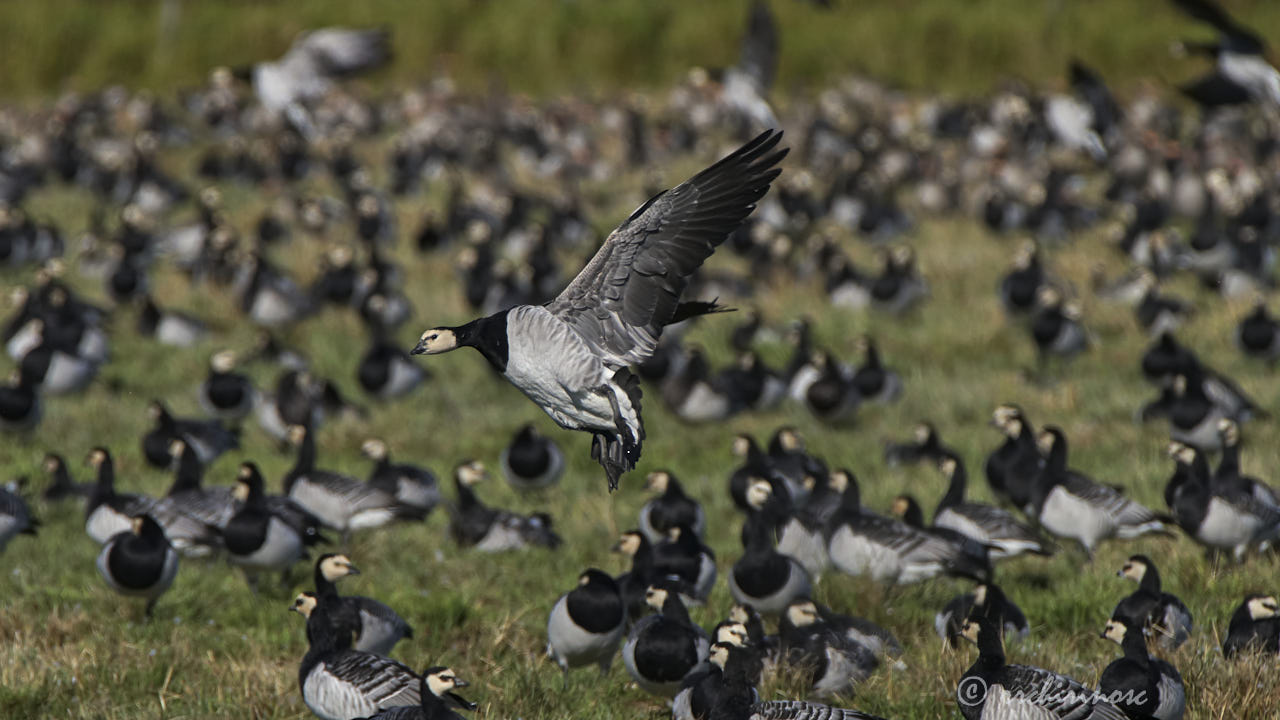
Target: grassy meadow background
[[70, 648]]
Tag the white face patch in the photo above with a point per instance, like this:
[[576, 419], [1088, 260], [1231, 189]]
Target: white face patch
[[436, 341]]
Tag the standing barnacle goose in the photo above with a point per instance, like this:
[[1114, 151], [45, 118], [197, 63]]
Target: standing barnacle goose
[[411, 485], [832, 397], [139, 562], [1227, 474], [988, 600], [683, 559], [586, 624], [256, 539], [378, 627], [873, 382], [211, 506], [15, 517], [978, 553], [531, 460], [1020, 286], [387, 372], [1152, 608], [1258, 334], [987, 524], [340, 683], [1055, 327], [836, 661], [474, 524], [993, 690], [61, 485], [341, 502], [763, 578], [1140, 685], [53, 370], [663, 647], [1220, 518], [1254, 628], [225, 393], [888, 550], [108, 513], [1193, 416], [570, 357], [1012, 468], [208, 438], [671, 508], [737, 697], [1071, 505], [437, 694], [925, 446], [683, 554]]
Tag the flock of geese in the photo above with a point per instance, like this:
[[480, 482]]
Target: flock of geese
[[862, 161]]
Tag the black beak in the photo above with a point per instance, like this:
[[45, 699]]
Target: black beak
[[419, 349], [352, 570]]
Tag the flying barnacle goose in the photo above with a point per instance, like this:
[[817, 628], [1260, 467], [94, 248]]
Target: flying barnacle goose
[[108, 513], [531, 460], [1152, 608], [925, 446], [763, 578], [139, 561], [20, 406], [61, 485], [874, 382], [570, 357], [257, 539], [663, 647], [169, 327], [339, 501], [409, 484], [836, 661], [15, 516], [1258, 334], [671, 508], [586, 624], [438, 697], [387, 372], [339, 682], [1220, 518], [1254, 627], [208, 438], [862, 543], [378, 627], [474, 524], [1227, 474], [1140, 685], [737, 697], [993, 690], [1242, 71], [1012, 468], [988, 600], [987, 524], [1071, 505], [225, 393]]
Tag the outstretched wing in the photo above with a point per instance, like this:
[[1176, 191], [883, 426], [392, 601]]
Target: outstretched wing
[[621, 300], [333, 52], [1239, 38]]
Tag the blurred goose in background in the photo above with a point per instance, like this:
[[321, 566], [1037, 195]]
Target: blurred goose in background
[[15, 516], [671, 508], [1258, 334], [208, 438], [169, 327], [108, 513], [1218, 517], [1013, 467], [61, 485], [226, 394], [139, 562], [987, 600], [531, 460], [256, 539], [873, 382], [998, 529], [1021, 285], [1242, 71], [474, 524], [20, 406], [925, 446], [411, 485], [836, 662], [387, 372]]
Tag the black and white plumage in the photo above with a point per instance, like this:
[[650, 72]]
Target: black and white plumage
[[671, 508], [986, 599], [925, 445], [378, 627], [55, 369], [1240, 54], [701, 686], [1217, 516], [474, 524], [1012, 468], [1160, 613], [683, 559], [1071, 505], [763, 578], [997, 528], [257, 539], [1140, 685], [61, 485], [531, 460], [387, 372], [340, 683], [1020, 286], [209, 438], [139, 562], [662, 648], [211, 506], [1258, 334], [834, 660], [15, 517], [20, 405], [738, 700], [1193, 416], [409, 484], [108, 513], [571, 356], [586, 624], [874, 382], [1055, 326], [226, 394], [1228, 474], [315, 59], [169, 327], [993, 690], [1254, 627], [437, 694]]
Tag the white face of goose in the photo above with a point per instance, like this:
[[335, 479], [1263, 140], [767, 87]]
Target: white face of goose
[[374, 449], [970, 631], [296, 434], [758, 493], [471, 473], [304, 604], [922, 433], [1229, 431], [1114, 631], [175, 448], [719, 655], [1261, 608], [51, 463], [1045, 442], [739, 614], [223, 362], [947, 466], [435, 341], [802, 614], [980, 595], [839, 481], [241, 491], [741, 446], [337, 566], [1182, 453], [734, 634], [789, 439], [657, 481], [442, 681], [1134, 570], [628, 544], [655, 598], [900, 506]]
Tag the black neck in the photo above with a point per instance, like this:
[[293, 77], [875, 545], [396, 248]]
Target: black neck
[[488, 335], [189, 473], [955, 491]]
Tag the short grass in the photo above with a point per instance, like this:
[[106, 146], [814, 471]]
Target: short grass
[[73, 649], [551, 46]]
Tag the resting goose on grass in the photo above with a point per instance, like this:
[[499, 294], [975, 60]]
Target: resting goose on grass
[[437, 698], [997, 528], [572, 356]]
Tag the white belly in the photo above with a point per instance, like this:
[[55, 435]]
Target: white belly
[[281, 548], [1066, 515]]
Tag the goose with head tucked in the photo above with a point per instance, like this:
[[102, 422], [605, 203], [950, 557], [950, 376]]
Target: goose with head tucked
[[531, 460], [586, 624], [670, 508], [571, 356]]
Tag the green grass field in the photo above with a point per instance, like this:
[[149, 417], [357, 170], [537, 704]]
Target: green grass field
[[74, 649]]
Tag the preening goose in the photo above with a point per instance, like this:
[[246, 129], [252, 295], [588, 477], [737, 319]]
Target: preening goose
[[571, 356], [437, 697]]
